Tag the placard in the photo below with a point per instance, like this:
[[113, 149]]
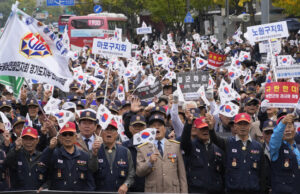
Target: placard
[[216, 60], [287, 71], [144, 30], [190, 82], [282, 94], [112, 48], [148, 92], [267, 31]]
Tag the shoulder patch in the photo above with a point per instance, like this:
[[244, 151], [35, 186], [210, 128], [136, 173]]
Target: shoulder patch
[[141, 145], [174, 141]]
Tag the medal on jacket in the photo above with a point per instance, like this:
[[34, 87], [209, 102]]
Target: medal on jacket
[[244, 148], [41, 177], [286, 163], [109, 151], [254, 165], [234, 162], [59, 173], [3, 175], [172, 157], [122, 173], [82, 175]]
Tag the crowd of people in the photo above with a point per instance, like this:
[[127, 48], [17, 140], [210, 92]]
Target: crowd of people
[[198, 147]]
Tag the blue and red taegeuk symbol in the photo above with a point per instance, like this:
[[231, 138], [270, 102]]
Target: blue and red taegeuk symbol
[[227, 108], [145, 135], [59, 115], [104, 117]]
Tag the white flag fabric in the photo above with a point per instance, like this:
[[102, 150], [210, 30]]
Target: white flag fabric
[[28, 121], [248, 78], [30, 50], [285, 60], [200, 62], [104, 116], [147, 135], [121, 92], [244, 56], [63, 116], [52, 105], [5, 121], [92, 63], [229, 109], [65, 38], [121, 130]]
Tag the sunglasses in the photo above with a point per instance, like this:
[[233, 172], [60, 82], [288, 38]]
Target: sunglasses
[[65, 134]]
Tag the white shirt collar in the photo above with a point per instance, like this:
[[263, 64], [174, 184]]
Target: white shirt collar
[[237, 138]]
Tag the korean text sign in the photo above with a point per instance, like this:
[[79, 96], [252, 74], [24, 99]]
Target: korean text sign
[[282, 94], [267, 31], [190, 82], [215, 60], [111, 47], [287, 71], [144, 30]]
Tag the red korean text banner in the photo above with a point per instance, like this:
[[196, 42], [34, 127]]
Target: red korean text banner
[[282, 94], [215, 60]]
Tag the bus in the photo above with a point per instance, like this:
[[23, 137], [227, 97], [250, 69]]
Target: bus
[[83, 29], [62, 22]]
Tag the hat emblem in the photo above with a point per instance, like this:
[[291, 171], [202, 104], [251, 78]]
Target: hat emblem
[[67, 125], [18, 118], [138, 118], [284, 110], [75, 97], [4, 103], [88, 114], [270, 123], [156, 117], [31, 101], [29, 130], [79, 102], [157, 108], [243, 116]]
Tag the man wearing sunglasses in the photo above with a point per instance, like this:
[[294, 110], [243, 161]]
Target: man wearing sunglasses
[[115, 166], [67, 167], [22, 161]]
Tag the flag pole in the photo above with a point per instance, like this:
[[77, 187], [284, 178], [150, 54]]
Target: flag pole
[[106, 86], [40, 107]]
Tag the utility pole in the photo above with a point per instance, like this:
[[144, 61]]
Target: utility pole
[[226, 17], [265, 11], [187, 10]]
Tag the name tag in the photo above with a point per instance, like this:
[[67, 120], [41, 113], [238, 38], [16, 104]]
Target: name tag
[[234, 150], [20, 163], [197, 150], [60, 161]]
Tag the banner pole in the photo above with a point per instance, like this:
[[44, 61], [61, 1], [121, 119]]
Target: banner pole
[[106, 86], [272, 60]]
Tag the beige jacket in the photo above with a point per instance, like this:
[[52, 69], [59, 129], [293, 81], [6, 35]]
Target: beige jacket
[[81, 144], [167, 175]]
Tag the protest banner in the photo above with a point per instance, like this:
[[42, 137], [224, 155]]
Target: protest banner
[[144, 30], [112, 48], [150, 91], [282, 94], [264, 47], [215, 60], [190, 82], [287, 71], [29, 49], [267, 31]]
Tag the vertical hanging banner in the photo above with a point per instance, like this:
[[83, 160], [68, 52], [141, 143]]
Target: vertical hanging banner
[[282, 94], [29, 49], [216, 60]]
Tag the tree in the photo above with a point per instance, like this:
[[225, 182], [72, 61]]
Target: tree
[[291, 7]]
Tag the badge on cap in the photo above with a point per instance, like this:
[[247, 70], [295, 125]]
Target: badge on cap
[[243, 116], [67, 125], [270, 123], [88, 114], [4, 103], [31, 101], [156, 117], [157, 108], [82, 175], [138, 118], [284, 110]]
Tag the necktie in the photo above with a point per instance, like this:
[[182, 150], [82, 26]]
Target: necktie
[[160, 148], [87, 143]]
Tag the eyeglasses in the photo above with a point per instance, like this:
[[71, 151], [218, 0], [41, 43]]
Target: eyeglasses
[[65, 134]]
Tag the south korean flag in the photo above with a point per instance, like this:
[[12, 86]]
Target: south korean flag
[[147, 135]]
